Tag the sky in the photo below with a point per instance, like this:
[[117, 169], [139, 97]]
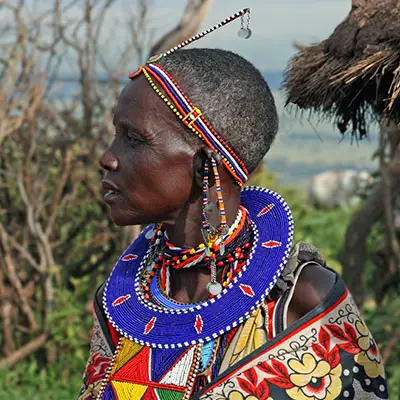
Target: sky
[[275, 25]]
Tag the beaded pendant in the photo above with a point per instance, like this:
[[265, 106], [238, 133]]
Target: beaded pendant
[[164, 325]]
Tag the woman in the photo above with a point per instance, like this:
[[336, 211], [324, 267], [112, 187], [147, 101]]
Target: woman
[[208, 302]]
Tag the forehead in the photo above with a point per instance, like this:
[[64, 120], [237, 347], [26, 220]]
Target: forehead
[[139, 104]]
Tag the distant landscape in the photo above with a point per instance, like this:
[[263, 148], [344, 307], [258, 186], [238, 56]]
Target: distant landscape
[[304, 146]]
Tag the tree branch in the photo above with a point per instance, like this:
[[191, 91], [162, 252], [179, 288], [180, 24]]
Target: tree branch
[[189, 24], [355, 243], [24, 351]]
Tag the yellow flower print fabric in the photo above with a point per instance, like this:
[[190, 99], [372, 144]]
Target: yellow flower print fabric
[[329, 354]]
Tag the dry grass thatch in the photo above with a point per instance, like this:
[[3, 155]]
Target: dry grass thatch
[[355, 73]]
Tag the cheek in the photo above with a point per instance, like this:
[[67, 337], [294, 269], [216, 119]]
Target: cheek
[[160, 183]]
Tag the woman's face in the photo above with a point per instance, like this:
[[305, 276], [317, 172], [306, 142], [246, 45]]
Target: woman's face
[[149, 166]]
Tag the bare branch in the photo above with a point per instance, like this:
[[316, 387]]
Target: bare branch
[[189, 24], [24, 351]]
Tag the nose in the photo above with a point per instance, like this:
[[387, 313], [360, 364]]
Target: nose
[[109, 161]]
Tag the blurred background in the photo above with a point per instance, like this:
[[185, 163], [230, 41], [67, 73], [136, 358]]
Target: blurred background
[[336, 158]]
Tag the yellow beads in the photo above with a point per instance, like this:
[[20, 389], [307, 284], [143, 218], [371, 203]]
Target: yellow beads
[[180, 116]]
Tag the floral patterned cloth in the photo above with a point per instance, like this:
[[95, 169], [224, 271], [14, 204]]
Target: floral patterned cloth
[[328, 354], [99, 359]]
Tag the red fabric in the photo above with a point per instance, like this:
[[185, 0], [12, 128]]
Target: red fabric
[[114, 334]]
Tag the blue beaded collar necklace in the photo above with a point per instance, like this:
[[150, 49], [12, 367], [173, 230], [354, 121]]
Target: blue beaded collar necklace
[[170, 325]]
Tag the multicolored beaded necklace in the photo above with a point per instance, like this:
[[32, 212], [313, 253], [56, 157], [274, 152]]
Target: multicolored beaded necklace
[[237, 245]]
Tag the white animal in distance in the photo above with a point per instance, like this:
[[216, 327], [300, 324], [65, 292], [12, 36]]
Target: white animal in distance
[[332, 189]]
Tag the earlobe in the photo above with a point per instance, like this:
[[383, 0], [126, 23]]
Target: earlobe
[[211, 154], [202, 155], [198, 167]]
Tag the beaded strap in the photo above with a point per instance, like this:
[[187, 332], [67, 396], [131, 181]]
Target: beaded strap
[[194, 120], [202, 34]]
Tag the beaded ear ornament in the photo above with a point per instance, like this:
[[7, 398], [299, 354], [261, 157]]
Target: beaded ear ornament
[[210, 233]]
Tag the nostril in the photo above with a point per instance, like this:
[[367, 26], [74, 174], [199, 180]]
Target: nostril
[[109, 162]]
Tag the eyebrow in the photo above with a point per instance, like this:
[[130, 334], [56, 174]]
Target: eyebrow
[[129, 125], [125, 123]]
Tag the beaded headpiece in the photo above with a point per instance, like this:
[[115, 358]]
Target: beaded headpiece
[[191, 116]]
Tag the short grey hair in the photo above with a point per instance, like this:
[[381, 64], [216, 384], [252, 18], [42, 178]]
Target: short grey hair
[[233, 96]]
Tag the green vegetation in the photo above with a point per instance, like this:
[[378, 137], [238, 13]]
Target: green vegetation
[[38, 377]]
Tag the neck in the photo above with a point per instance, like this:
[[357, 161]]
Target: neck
[[189, 285], [185, 230]]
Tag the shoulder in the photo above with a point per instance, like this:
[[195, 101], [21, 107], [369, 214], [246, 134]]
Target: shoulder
[[308, 279], [312, 287]]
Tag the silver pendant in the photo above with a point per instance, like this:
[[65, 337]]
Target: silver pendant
[[205, 236], [214, 288], [222, 248], [244, 33], [149, 234], [150, 266]]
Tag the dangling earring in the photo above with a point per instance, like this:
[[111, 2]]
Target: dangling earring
[[210, 233], [207, 205]]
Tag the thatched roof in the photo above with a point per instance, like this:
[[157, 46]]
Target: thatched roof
[[355, 73]]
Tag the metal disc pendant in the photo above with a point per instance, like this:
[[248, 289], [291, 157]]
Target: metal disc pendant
[[222, 248], [214, 288], [149, 234], [244, 33]]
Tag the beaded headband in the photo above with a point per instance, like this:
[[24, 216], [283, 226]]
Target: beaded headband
[[192, 117]]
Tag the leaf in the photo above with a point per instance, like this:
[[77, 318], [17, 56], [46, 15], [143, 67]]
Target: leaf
[[266, 368], [324, 338], [251, 375], [281, 382], [319, 351], [351, 332], [262, 391], [280, 368], [349, 347], [246, 386], [337, 332], [334, 357]]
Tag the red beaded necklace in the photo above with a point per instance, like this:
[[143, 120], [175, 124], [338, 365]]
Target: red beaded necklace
[[173, 257]]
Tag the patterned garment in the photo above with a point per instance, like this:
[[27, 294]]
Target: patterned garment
[[328, 354], [101, 352]]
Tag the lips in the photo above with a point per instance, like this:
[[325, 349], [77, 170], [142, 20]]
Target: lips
[[111, 190]]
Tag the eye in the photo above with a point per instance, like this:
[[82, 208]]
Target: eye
[[134, 138]]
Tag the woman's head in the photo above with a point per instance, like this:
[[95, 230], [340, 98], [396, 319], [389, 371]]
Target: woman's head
[[233, 96], [155, 161]]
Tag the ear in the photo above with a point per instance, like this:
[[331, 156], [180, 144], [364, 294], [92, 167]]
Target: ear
[[200, 157], [198, 167]]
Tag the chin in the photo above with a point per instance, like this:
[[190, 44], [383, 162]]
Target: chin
[[123, 219]]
